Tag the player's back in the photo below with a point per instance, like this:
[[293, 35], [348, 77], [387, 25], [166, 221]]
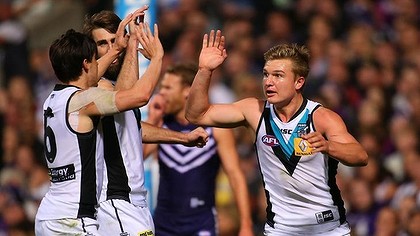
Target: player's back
[[71, 160]]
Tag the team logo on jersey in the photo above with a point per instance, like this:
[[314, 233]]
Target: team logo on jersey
[[302, 129], [270, 140], [324, 216]]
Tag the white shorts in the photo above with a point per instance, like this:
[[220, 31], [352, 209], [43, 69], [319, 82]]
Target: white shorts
[[342, 230], [79, 226], [119, 217]]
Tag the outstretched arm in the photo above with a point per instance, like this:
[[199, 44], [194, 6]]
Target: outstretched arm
[[230, 162], [338, 143], [153, 133], [198, 109]]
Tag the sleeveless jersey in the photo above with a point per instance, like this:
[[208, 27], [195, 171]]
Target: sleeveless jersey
[[187, 174], [123, 154], [300, 187], [71, 159]]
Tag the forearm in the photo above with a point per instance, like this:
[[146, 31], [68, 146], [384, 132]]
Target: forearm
[[198, 99], [147, 83], [105, 61], [129, 73], [240, 191], [154, 134], [350, 154]]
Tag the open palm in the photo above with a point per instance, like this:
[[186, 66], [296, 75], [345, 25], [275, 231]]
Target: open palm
[[213, 52]]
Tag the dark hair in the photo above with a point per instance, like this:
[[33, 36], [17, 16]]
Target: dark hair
[[68, 53], [299, 55], [186, 71], [107, 20]]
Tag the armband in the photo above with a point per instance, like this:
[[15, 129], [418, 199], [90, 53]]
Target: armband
[[103, 99]]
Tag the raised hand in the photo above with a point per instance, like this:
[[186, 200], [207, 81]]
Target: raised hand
[[213, 52], [152, 47], [139, 13], [121, 38], [197, 138]]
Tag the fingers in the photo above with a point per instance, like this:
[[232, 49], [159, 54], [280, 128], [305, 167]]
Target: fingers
[[222, 42], [123, 24], [211, 40], [205, 40], [217, 39], [316, 141], [140, 13], [140, 34], [214, 39], [156, 31], [149, 33], [141, 10]]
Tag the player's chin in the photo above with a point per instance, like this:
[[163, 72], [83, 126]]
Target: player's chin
[[271, 98]]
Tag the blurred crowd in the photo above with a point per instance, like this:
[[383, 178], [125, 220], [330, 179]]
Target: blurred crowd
[[365, 65]]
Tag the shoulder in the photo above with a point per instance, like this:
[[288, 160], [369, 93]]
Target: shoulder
[[252, 109], [325, 118], [250, 105], [325, 113], [250, 102]]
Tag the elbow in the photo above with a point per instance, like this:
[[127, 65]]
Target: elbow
[[361, 160], [142, 100], [364, 159], [193, 118]]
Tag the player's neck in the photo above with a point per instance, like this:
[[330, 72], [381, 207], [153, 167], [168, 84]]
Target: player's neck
[[286, 112], [82, 83]]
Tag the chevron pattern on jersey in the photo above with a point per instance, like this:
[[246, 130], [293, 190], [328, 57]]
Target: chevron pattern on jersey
[[183, 159]]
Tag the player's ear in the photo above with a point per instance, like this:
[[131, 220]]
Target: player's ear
[[86, 65], [186, 91], [299, 82]]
